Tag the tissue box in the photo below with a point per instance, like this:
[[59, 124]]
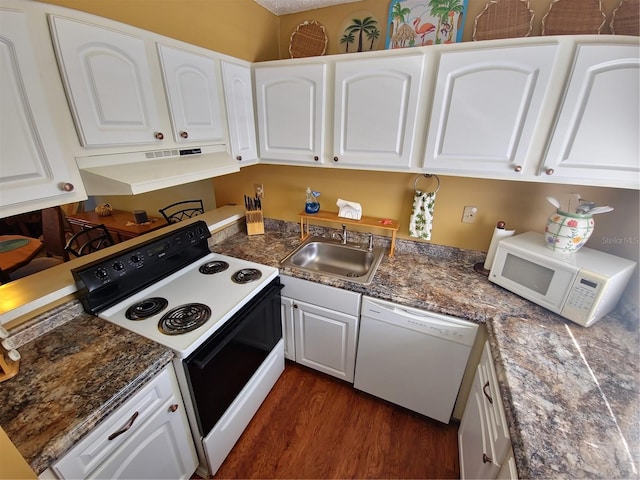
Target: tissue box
[[347, 209]]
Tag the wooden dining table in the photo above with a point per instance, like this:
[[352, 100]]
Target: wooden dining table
[[16, 251], [120, 223]]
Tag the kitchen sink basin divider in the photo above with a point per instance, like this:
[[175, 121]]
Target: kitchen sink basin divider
[[383, 223]]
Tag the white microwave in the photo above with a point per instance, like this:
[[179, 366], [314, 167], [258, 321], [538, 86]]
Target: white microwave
[[583, 286]]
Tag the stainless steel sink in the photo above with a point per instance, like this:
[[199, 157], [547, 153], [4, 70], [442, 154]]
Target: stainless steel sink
[[329, 257]]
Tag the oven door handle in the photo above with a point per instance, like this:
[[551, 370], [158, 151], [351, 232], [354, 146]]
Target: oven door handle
[[226, 333]]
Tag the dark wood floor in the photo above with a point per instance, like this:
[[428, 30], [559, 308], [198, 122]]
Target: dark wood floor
[[314, 426]]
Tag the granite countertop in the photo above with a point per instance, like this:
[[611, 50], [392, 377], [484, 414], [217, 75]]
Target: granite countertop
[[570, 393], [75, 370]]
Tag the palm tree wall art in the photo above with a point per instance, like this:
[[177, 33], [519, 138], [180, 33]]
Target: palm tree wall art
[[425, 22], [362, 29]]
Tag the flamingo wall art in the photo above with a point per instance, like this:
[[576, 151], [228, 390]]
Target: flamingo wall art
[[416, 23]]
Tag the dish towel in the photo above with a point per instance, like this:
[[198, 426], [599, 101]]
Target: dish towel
[[421, 219]]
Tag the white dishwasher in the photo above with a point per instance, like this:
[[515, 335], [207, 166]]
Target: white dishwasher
[[412, 358]]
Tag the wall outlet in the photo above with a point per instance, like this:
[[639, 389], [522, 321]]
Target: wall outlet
[[259, 189], [469, 214]]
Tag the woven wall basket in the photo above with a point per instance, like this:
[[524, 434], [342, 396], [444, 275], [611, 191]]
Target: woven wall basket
[[503, 19], [626, 18], [574, 17], [309, 40]]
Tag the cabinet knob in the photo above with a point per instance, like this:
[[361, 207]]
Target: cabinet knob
[[518, 168], [67, 187], [486, 458], [316, 158], [335, 159], [184, 134], [159, 136], [484, 390], [173, 407], [295, 306], [239, 158], [549, 171]]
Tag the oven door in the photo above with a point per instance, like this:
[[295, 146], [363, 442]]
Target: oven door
[[220, 368]]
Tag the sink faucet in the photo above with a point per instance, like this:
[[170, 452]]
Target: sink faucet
[[344, 234], [370, 247]]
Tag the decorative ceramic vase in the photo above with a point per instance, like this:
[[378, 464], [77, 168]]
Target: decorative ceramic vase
[[104, 210], [568, 232]]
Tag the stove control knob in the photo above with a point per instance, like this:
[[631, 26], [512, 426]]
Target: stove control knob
[[118, 266], [102, 273], [135, 258]]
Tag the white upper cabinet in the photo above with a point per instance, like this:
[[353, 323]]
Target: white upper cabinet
[[36, 170], [375, 106], [193, 95], [596, 135], [238, 92], [291, 102], [108, 81], [486, 106]]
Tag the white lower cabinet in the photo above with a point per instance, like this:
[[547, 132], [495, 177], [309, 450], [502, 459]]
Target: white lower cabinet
[[146, 437], [483, 437], [321, 326]]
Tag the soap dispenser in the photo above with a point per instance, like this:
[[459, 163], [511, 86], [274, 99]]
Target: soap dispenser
[[312, 205]]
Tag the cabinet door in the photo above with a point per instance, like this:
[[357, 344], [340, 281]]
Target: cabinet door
[[35, 171], [474, 443], [596, 135], [109, 88], [287, 315], [193, 95], [160, 449], [492, 401], [238, 92], [325, 340], [290, 109], [146, 437], [376, 102], [487, 103]]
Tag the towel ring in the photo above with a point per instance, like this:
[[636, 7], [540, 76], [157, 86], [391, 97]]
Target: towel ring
[[427, 175]]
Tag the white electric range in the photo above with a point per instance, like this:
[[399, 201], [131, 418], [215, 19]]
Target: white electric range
[[219, 314]]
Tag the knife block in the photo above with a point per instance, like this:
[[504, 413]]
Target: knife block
[[255, 222]]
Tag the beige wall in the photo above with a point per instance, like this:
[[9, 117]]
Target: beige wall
[[522, 205], [240, 28]]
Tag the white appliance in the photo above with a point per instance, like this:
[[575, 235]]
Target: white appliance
[[412, 358], [220, 315], [582, 286]]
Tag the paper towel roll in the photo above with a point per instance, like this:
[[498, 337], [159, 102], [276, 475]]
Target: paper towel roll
[[498, 234]]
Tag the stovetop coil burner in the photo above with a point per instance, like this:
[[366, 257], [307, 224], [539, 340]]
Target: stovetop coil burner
[[146, 308], [246, 275], [214, 266], [184, 318]]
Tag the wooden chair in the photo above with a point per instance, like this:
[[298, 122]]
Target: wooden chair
[[54, 235], [176, 212], [89, 240]]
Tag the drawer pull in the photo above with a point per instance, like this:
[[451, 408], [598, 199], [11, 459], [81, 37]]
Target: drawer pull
[[125, 428], [486, 458], [484, 390]]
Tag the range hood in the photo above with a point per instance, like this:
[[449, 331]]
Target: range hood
[[141, 172]]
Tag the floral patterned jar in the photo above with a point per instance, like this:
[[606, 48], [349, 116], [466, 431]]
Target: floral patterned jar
[[568, 232]]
